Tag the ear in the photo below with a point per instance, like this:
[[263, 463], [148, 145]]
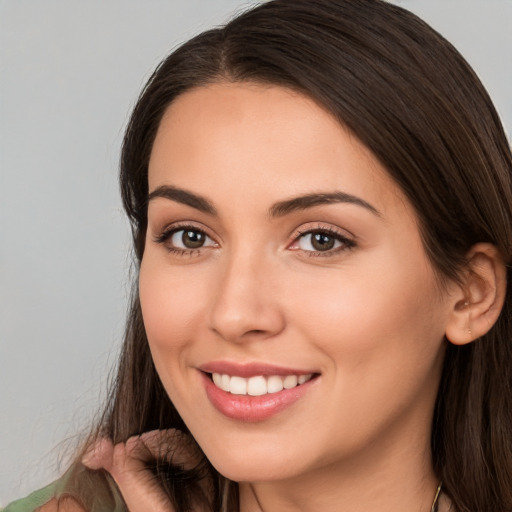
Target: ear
[[479, 300]]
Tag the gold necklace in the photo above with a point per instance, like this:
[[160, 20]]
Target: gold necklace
[[436, 498]]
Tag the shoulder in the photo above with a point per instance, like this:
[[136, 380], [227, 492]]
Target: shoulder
[[52, 498], [33, 501], [62, 505], [43, 502], [78, 490]]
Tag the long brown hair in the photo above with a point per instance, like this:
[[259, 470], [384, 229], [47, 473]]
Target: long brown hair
[[411, 98]]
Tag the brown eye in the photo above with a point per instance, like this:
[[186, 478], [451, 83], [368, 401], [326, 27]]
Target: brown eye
[[190, 239], [322, 241]]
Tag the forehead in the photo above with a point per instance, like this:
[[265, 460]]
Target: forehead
[[252, 141]]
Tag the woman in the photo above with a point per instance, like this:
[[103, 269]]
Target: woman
[[320, 195]]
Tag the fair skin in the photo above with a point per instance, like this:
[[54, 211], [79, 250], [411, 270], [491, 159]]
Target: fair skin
[[359, 308]]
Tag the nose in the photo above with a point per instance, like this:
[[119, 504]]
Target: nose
[[246, 302]]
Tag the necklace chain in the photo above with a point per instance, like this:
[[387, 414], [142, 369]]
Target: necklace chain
[[436, 498]]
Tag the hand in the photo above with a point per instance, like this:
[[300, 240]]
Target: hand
[[127, 463]]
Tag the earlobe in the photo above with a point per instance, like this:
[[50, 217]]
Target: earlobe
[[478, 306]]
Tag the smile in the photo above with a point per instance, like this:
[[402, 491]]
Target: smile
[[258, 385], [254, 392]]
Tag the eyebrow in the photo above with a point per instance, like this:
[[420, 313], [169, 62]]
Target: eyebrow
[[278, 209], [184, 197], [310, 200]]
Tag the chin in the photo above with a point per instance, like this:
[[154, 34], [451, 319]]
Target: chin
[[253, 471], [251, 465]]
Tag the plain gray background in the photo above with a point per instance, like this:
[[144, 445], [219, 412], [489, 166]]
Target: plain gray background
[[70, 71]]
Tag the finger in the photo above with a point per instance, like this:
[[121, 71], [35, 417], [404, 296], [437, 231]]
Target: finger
[[99, 455], [117, 459], [127, 464], [140, 490], [137, 484], [146, 447]]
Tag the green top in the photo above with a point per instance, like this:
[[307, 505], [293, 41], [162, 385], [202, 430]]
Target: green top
[[94, 489], [34, 500]]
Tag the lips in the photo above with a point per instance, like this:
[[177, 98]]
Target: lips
[[254, 392]]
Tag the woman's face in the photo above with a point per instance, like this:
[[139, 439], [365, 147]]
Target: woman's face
[[282, 261]]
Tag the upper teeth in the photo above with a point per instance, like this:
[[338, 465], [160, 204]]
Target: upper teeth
[[259, 385]]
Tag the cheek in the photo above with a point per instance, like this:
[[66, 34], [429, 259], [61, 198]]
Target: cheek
[[171, 303], [368, 318], [381, 333]]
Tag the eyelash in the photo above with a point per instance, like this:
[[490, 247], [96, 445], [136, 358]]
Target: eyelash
[[346, 243], [167, 234]]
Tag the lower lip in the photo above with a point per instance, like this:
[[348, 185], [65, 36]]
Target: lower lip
[[253, 408]]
